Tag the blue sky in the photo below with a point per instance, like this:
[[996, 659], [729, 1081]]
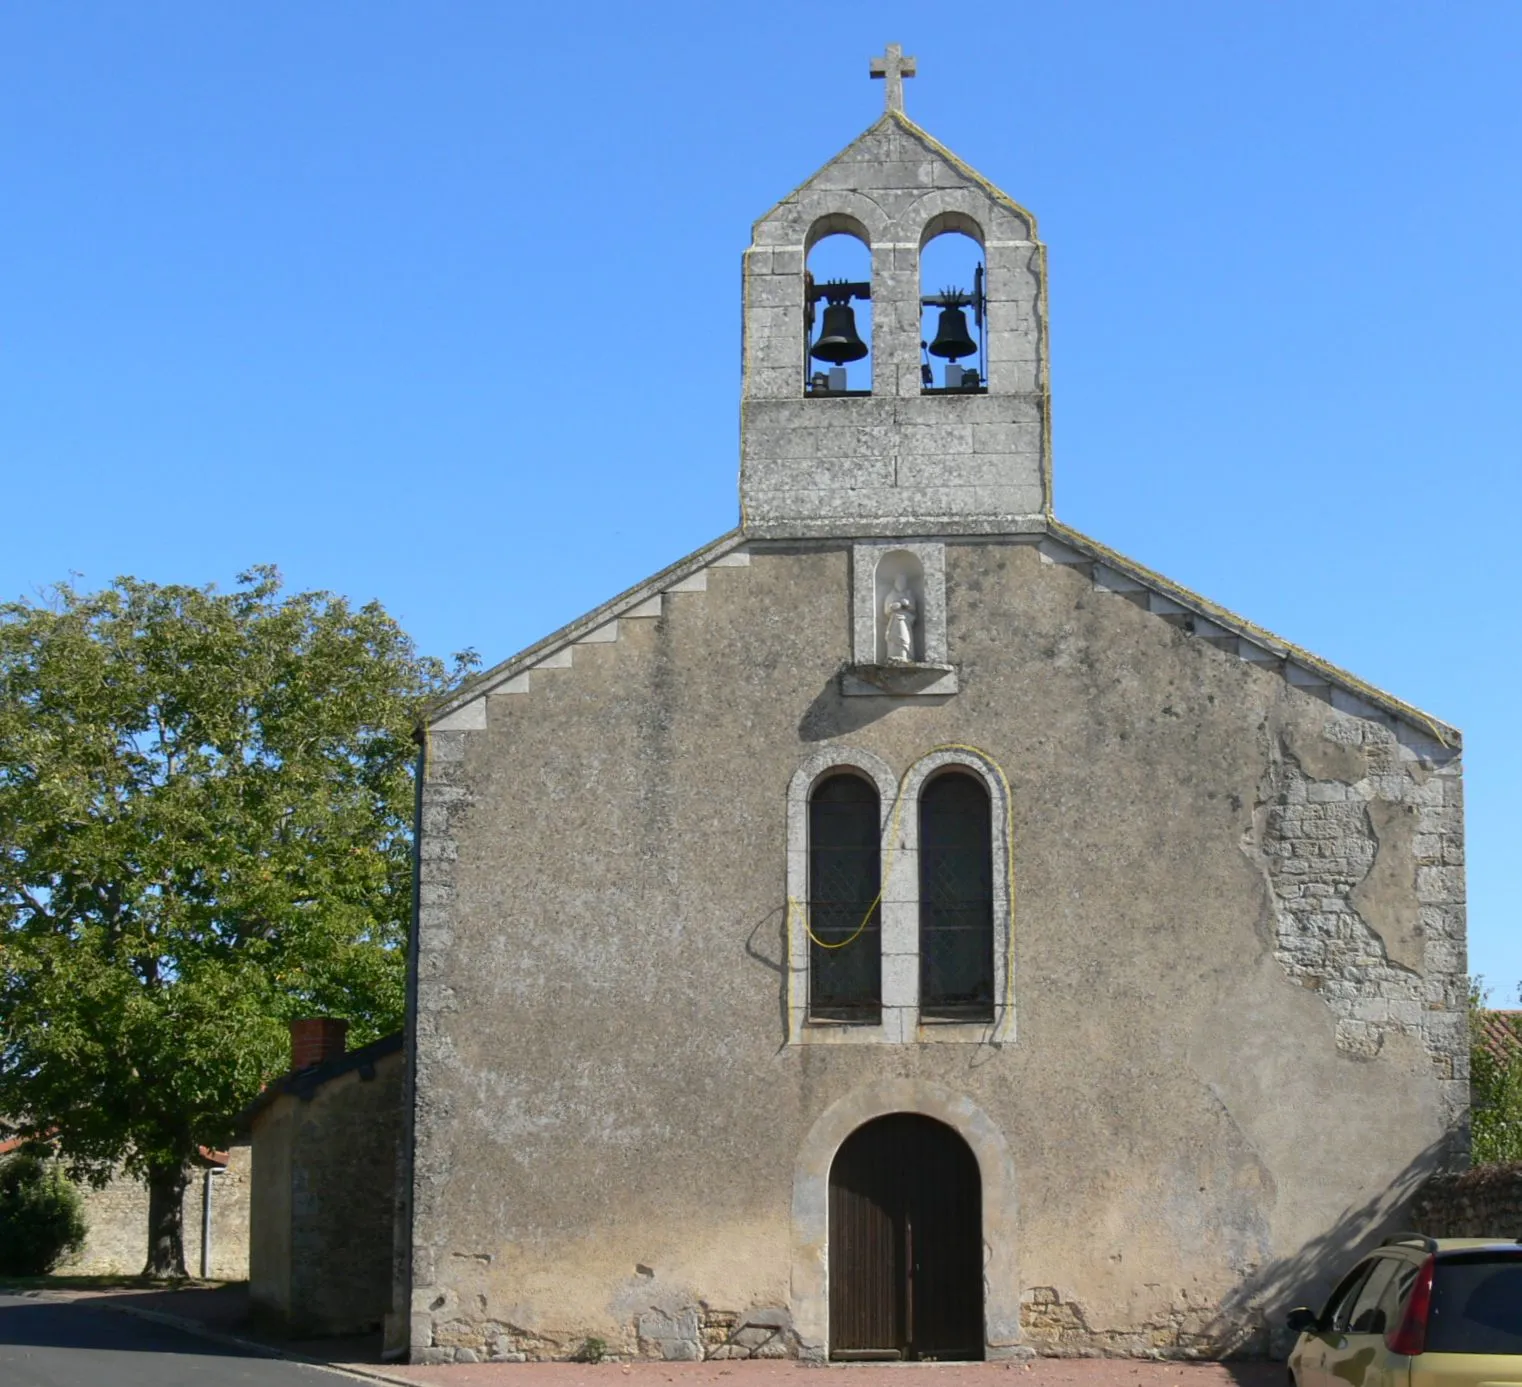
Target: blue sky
[[440, 304]]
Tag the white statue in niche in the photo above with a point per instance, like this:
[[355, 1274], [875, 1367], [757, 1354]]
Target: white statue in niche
[[901, 611]]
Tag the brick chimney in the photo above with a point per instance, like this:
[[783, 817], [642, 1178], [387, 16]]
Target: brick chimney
[[316, 1040]]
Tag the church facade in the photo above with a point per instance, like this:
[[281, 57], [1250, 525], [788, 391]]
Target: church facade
[[905, 927]]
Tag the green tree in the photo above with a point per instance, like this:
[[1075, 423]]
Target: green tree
[[1495, 1085], [41, 1220], [205, 831]]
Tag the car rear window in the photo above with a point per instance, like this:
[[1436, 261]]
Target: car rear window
[[1476, 1304]]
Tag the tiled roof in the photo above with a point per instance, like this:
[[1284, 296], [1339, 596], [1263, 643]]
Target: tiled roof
[[207, 1155], [304, 1083], [1500, 1033]]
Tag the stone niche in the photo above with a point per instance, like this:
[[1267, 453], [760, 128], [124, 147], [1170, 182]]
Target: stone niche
[[898, 607]]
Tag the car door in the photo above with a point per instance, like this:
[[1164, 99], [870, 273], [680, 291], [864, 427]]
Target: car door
[[1309, 1361], [1356, 1352]]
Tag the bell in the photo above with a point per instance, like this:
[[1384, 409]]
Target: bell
[[951, 339], [838, 342]]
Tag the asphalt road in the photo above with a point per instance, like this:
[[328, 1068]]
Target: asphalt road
[[48, 1344]]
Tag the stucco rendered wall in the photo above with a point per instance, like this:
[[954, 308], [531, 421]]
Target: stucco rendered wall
[[1238, 976], [116, 1218], [269, 1244], [325, 1171]]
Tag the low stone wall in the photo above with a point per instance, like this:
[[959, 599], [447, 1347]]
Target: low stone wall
[[116, 1224], [1481, 1203]]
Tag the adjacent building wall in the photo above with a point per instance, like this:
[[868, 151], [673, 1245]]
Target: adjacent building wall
[[269, 1251], [1238, 957], [325, 1154]]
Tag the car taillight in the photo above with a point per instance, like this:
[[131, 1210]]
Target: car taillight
[[1411, 1338]]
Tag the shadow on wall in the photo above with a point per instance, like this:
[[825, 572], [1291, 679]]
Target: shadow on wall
[[1485, 1202], [1250, 1320], [833, 715]]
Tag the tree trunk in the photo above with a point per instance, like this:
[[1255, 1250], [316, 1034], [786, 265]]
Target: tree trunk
[[166, 1226]]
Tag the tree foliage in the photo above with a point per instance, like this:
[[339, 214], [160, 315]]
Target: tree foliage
[[205, 817], [1495, 1087], [41, 1221]]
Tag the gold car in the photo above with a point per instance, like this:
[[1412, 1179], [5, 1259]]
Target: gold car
[[1419, 1312]]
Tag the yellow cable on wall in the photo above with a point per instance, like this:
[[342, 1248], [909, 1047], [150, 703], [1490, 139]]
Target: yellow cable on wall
[[893, 836]]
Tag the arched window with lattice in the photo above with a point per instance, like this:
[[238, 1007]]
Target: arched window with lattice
[[844, 907], [956, 899]]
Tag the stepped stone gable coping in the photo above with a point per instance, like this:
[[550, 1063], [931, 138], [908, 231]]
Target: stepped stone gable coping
[[1419, 733], [642, 600]]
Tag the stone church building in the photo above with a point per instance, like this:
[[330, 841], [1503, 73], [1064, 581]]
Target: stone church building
[[906, 927]]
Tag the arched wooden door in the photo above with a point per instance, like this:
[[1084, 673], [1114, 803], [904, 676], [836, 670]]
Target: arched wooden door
[[906, 1243]]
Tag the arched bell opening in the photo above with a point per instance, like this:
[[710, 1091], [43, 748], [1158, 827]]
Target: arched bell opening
[[953, 307], [905, 1247], [837, 308]]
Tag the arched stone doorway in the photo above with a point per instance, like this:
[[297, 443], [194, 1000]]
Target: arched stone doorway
[[906, 1243], [811, 1274]]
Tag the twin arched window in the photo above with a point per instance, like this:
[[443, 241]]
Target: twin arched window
[[838, 302], [955, 927]]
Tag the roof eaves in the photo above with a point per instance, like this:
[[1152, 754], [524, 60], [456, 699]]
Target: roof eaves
[[784, 200], [490, 679], [966, 170], [304, 1083], [1501, 1034], [1445, 734]]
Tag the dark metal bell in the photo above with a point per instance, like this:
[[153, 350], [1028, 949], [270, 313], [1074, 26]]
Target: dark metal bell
[[838, 342], [951, 337]]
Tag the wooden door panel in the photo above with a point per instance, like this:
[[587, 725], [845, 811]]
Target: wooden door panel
[[945, 1217], [866, 1265], [906, 1249]]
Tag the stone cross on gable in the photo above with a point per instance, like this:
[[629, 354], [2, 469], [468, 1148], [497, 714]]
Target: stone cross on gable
[[893, 67]]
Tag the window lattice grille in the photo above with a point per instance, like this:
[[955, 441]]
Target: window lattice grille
[[845, 983], [956, 900]]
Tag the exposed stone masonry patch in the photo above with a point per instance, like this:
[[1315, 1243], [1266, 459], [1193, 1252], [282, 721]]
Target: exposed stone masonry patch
[[1059, 1328], [759, 1333], [1318, 841], [686, 1333]]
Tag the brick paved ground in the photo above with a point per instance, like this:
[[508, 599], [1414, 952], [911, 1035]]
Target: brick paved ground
[[224, 1310], [1044, 1372]]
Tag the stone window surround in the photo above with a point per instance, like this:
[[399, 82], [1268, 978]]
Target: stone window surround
[[810, 1281], [900, 1023]]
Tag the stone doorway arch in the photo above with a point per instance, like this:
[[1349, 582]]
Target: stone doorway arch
[[810, 1292], [906, 1243]]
